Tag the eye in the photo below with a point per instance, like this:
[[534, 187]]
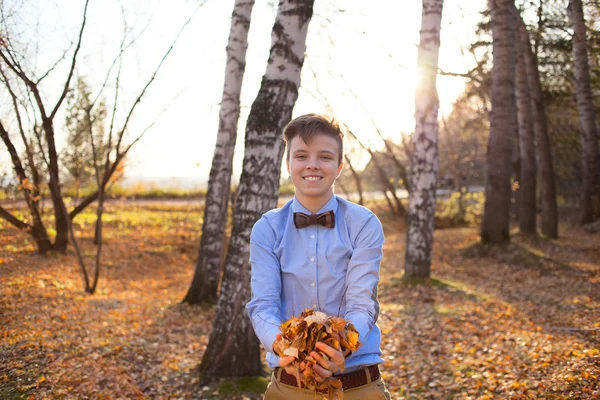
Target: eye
[[300, 156], [327, 157]]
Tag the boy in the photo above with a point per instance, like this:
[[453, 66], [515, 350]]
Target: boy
[[318, 251]]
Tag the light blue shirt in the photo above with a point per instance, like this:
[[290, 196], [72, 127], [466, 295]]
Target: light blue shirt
[[333, 270]]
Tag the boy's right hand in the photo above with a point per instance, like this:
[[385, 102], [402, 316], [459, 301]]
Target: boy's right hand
[[284, 362]]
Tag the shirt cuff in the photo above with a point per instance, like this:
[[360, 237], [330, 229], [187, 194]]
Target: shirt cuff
[[362, 326], [270, 336]]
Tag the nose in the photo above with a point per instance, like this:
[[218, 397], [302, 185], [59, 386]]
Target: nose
[[313, 163]]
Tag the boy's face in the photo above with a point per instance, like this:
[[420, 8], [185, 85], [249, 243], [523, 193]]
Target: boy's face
[[314, 168]]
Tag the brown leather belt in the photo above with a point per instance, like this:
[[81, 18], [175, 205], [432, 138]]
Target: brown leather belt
[[350, 380]]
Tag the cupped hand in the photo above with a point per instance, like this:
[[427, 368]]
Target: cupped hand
[[327, 365], [284, 362]]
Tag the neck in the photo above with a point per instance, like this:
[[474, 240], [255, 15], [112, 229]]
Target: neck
[[313, 204]]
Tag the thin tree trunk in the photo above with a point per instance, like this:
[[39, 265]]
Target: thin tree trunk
[[549, 209], [590, 209], [387, 198], [515, 163], [31, 195], [383, 177], [212, 242], [399, 165], [61, 216], [233, 348], [495, 227], [356, 180], [344, 190], [388, 186], [527, 180], [424, 162]]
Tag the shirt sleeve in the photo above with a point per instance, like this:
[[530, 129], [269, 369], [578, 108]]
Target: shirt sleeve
[[362, 277], [264, 309]]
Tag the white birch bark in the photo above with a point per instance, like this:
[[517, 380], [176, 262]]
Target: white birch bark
[[424, 171], [208, 267], [590, 209], [233, 348], [549, 209], [527, 178], [495, 227]]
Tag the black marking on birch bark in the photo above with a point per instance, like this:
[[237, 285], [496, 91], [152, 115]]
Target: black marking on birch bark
[[283, 47], [303, 11]]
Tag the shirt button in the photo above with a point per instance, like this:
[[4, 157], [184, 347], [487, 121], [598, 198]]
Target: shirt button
[[312, 259], [312, 236], [313, 284]]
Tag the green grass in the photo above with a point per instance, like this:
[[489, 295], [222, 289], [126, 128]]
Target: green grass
[[248, 384]]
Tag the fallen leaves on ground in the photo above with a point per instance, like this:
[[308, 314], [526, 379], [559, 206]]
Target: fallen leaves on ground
[[516, 322]]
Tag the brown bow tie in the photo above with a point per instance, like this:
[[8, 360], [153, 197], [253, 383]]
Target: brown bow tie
[[327, 219]]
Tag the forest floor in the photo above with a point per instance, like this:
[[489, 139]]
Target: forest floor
[[520, 321]]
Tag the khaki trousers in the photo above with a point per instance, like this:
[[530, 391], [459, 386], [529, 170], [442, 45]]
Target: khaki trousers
[[280, 391]]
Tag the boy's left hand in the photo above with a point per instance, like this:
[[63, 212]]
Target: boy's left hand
[[326, 367]]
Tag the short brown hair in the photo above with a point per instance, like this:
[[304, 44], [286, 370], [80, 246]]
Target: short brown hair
[[308, 126]]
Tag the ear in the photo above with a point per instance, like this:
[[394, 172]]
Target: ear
[[339, 170], [287, 164]]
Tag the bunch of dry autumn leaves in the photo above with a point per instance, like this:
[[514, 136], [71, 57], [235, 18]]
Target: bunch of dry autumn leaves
[[299, 337]]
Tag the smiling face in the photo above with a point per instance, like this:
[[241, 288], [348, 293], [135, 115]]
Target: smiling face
[[313, 168]]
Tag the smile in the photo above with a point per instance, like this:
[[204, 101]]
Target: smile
[[312, 178]]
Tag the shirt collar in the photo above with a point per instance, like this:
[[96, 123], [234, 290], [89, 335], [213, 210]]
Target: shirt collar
[[332, 204]]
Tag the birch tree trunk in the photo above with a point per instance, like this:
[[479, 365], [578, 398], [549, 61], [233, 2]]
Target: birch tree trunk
[[527, 179], [424, 171], [590, 209], [495, 227], [212, 242], [549, 210], [233, 348]]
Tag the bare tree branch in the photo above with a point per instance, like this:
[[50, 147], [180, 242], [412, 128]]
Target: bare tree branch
[[119, 57], [53, 66], [399, 165], [73, 62], [356, 180], [28, 82], [400, 210], [31, 198], [14, 220], [139, 98], [113, 167], [34, 171]]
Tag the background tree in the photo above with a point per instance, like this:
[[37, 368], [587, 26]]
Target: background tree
[[462, 143], [549, 211], [527, 165], [424, 161], [38, 129], [590, 209], [15, 73], [233, 348], [495, 228], [356, 179], [384, 172], [212, 243], [83, 122]]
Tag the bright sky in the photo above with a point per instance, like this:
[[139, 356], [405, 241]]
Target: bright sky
[[369, 48]]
